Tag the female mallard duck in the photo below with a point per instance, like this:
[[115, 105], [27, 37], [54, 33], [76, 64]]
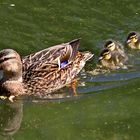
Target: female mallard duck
[[133, 40], [40, 73], [108, 60], [117, 50]]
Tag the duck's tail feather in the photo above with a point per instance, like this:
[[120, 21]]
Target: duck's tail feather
[[87, 55], [74, 45]]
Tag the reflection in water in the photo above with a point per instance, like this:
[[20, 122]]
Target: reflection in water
[[11, 117], [1, 74]]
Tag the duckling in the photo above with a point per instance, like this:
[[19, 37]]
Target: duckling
[[133, 40], [108, 60], [40, 77], [117, 50]]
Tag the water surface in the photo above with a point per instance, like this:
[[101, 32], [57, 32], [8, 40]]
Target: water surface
[[108, 104]]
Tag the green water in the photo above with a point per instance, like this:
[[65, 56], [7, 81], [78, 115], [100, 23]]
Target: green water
[[107, 107]]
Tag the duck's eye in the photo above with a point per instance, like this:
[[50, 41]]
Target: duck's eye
[[2, 60], [5, 59]]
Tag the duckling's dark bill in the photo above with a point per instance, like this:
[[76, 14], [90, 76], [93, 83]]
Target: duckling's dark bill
[[100, 58]]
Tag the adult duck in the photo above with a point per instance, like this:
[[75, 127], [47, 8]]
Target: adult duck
[[42, 73]]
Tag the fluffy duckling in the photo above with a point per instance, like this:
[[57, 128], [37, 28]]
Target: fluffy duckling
[[133, 40], [117, 50], [106, 60], [109, 61]]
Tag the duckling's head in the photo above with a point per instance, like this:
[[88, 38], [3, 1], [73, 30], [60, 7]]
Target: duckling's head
[[105, 55], [132, 38], [11, 65], [110, 44]]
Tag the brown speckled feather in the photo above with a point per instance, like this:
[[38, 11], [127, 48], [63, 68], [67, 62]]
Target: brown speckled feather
[[45, 81], [65, 51]]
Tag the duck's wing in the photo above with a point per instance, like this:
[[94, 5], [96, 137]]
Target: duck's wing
[[39, 70], [45, 80], [50, 59], [62, 52]]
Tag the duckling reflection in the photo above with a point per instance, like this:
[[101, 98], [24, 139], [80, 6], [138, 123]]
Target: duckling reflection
[[133, 40], [117, 51], [109, 61], [11, 118]]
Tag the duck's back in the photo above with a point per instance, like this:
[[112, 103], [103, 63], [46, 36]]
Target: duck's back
[[62, 51], [46, 76]]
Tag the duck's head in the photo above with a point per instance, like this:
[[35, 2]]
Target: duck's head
[[11, 65], [105, 55], [132, 38], [110, 44]]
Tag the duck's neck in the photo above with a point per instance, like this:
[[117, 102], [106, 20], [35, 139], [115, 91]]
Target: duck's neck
[[11, 84], [12, 76]]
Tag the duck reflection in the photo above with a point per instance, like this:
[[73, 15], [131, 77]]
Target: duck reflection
[[11, 117]]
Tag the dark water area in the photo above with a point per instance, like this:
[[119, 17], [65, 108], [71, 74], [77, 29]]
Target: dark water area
[[107, 105]]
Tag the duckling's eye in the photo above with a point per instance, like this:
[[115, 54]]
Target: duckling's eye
[[133, 37], [109, 46], [106, 53]]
